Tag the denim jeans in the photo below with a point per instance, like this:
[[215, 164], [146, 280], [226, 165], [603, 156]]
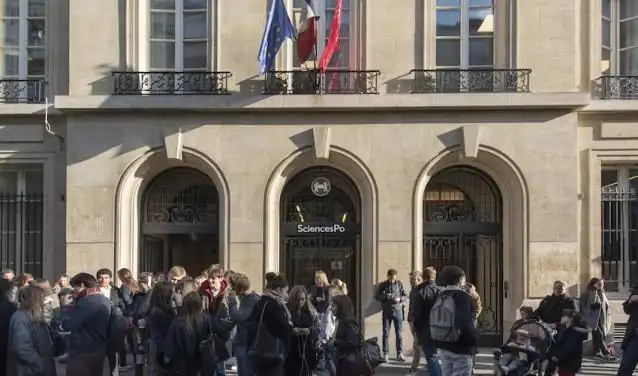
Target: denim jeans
[[629, 358], [220, 368], [244, 363], [455, 364], [429, 352], [397, 321]]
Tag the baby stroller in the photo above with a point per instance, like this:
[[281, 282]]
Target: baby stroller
[[541, 338]]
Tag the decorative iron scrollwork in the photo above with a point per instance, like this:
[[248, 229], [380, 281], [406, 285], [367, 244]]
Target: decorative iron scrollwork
[[181, 214], [451, 213], [171, 83], [470, 80], [487, 321], [22, 91], [333, 81], [616, 87]]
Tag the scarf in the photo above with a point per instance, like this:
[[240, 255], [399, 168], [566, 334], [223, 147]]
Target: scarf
[[280, 298]]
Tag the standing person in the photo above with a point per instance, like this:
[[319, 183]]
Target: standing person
[[160, 317], [110, 291], [477, 308], [127, 291], [175, 276], [7, 309], [8, 274], [142, 298], [422, 298], [416, 278], [452, 325], [30, 346], [392, 296], [567, 352], [630, 340], [551, 308], [23, 279], [594, 307], [88, 321], [348, 336], [271, 313], [326, 334], [248, 299], [61, 283], [340, 285], [319, 292], [302, 355]]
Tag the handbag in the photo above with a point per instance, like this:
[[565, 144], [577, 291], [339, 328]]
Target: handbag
[[368, 357], [265, 347], [212, 349]]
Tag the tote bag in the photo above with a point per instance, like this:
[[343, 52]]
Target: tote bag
[[265, 347]]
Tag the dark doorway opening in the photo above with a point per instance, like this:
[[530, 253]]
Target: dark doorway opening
[[180, 222], [462, 225], [320, 229]]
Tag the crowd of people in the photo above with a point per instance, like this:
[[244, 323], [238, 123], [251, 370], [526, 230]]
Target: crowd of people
[[193, 326]]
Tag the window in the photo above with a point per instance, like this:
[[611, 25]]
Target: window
[[619, 235], [344, 57], [465, 34], [619, 41], [23, 47], [21, 215]]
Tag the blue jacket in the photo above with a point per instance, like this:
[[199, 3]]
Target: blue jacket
[[88, 322], [30, 350]]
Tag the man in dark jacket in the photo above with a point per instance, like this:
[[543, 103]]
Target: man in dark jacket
[[392, 296], [552, 307], [455, 355], [88, 321], [422, 298], [630, 341]]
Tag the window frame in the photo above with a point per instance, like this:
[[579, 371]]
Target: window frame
[[615, 20], [23, 44], [355, 36], [143, 48], [503, 36], [624, 263], [20, 230]]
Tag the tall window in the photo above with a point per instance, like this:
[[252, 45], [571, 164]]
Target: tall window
[[343, 57], [619, 38], [619, 220], [465, 34], [180, 34], [21, 218]]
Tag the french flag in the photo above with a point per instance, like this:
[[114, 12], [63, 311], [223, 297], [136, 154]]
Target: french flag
[[307, 35]]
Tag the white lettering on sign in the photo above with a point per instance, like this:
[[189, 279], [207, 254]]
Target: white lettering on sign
[[321, 229]]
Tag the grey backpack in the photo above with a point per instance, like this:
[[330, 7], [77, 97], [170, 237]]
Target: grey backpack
[[443, 326]]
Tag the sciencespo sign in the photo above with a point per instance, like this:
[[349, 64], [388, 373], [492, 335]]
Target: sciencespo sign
[[321, 229]]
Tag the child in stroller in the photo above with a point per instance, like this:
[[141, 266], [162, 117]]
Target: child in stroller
[[522, 353]]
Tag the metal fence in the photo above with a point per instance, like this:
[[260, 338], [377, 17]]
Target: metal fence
[[619, 237], [21, 225]]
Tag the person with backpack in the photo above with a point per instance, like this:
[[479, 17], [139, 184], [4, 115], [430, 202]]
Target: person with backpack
[[452, 325], [240, 311], [88, 321], [391, 295], [422, 298]]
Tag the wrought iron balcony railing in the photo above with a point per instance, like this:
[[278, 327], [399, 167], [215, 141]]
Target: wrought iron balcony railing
[[171, 83], [23, 91], [616, 87], [470, 80], [314, 82]]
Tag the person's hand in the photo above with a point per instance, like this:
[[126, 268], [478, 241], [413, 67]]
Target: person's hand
[[397, 300], [554, 359]]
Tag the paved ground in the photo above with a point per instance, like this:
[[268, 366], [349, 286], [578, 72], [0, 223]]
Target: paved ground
[[483, 367]]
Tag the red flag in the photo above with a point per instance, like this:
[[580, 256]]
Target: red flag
[[333, 39]]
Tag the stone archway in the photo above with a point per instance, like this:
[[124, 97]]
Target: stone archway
[[179, 222], [462, 225], [133, 183]]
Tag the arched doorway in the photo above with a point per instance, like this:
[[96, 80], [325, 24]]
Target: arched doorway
[[462, 225], [179, 222], [321, 226]]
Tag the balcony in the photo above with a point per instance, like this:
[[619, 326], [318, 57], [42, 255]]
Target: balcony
[[470, 81], [315, 82], [22, 91], [171, 83], [616, 87]]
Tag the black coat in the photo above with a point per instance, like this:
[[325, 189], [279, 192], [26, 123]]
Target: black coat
[[30, 347], [7, 309], [569, 349], [302, 355], [551, 308], [632, 323], [276, 321]]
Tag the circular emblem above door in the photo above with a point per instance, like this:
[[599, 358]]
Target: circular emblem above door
[[320, 186]]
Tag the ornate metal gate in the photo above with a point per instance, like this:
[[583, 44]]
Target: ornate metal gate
[[462, 211], [320, 228]]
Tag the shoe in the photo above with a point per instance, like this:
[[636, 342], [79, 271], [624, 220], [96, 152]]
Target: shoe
[[386, 357], [400, 357], [412, 372], [125, 367], [600, 356], [610, 358]]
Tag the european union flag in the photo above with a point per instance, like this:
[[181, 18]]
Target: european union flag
[[278, 28]]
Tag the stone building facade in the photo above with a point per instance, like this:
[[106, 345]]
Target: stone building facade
[[481, 133]]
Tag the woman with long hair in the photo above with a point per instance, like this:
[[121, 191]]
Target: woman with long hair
[[327, 330], [23, 279], [347, 336], [185, 334], [127, 291], [319, 292], [160, 317], [302, 355], [341, 286], [30, 348], [596, 313]]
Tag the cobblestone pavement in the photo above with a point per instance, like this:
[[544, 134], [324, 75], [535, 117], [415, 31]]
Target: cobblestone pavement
[[483, 367]]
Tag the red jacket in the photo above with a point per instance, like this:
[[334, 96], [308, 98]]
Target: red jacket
[[212, 301]]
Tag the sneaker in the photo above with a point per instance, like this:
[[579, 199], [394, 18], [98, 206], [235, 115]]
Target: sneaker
[[600, 356], [386, 357], [400, 357], [412, 372], [611, 358]]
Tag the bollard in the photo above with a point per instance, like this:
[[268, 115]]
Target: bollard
[[140, 356]]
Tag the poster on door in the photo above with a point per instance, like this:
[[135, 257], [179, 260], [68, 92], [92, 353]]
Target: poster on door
[[336, 265]]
